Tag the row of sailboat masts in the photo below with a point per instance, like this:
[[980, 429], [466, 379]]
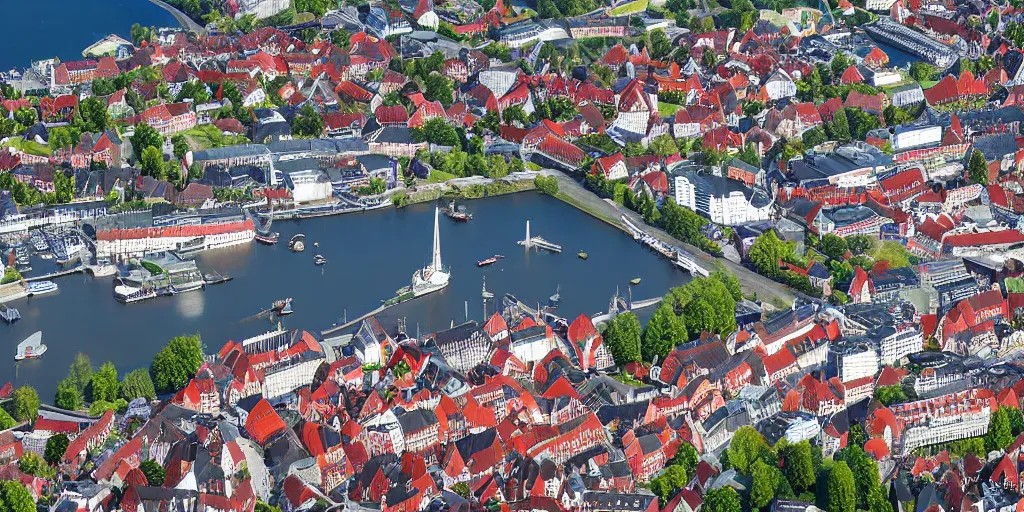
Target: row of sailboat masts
[[538, 242]]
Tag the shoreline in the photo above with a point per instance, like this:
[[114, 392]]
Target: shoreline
[[183, 20]]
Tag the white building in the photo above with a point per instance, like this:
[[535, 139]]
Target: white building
[[907, 95], [897, 344], [879, 5], [499, 80], [907, 137], [780, 85], [852, 360], [309, 186], [722, 200]]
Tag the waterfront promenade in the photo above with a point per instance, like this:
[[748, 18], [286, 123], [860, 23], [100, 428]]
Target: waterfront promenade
[[183, 19]]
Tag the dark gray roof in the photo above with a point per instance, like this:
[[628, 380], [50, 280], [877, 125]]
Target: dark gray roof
[[995, 147], [416, 420], [394, 135]]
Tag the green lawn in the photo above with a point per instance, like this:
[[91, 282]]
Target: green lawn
[[208, 136], [667, 109], [437, 176], [532, 166], [632, 7], [29, 146]]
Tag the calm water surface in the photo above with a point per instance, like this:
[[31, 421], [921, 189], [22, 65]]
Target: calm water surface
[[370, 256], [63, 28]]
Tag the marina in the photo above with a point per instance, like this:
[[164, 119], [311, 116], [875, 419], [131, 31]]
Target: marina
[[322, 295]]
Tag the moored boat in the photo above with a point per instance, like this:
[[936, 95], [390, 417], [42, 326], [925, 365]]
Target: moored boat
[[32, 347], [582, 255], [41, 288], [282, 307], [216, 278], [297, 243], [268, 239], [457, 213], [9, 314], [319, 260], [634, 281], [489, 261]]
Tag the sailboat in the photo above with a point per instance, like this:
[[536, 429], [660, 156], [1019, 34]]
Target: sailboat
[[30, 348], [264, 235], [434, 276]]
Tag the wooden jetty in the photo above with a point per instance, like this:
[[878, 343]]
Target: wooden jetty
[[75, 270]]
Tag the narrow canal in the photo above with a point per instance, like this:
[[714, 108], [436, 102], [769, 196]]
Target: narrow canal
[[370, 255]]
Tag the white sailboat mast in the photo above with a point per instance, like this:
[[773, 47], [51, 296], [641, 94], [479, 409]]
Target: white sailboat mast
[[436, 261]]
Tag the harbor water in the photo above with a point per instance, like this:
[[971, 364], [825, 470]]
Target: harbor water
[[370, 255], [63, 28]]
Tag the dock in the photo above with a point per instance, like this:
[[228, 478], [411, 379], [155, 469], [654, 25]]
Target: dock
[[75, 270], [335, 328], [538, 242], [679, 256]]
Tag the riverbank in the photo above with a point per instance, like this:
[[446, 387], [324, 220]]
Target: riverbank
[[183, 20], [574, 194]]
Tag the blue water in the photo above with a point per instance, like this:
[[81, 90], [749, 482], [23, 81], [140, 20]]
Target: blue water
[[370, 255], [897, 58], [63, 28]]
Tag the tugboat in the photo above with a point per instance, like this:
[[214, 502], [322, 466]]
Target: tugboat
[[297, 243], [282, 307], [489, 261], [457, 213]]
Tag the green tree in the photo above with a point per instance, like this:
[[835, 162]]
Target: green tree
[[1016, 421], [895, 253], [865, 471], [890, 395], [895, 116], [137, 384], [877, 501], [546, 185], [32, 464], [62, 137], [668, 482], [152, 162], [663, 332], [730, 281], [80, 371], [765, 482], [102, 86], [513, 114], [839, 128], [25, 116], [922, 71], [686, 457], [146, 137], [104, 383], [839, 64], [746, 446], [723, 499], [798, 465], [14, 497], [999, 435], [6, 421], [176, 363], [623, 338], [180, 146], [663, 146], [308, 123], [56, 446], [155, 473], [977, 168], [860, 122], [841, 490], [68, 396], [548, 9], [660, 45], [833, 246], [462, 489], [24, 404], [860, 244], [93, 114], [438, 87], [439, 131], [766, 251]]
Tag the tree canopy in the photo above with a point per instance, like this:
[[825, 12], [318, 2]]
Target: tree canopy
[[176, 363], [723, 499], [56, 445], [146, 137], [623, 338], [24, 404], [15, 497], [155, 473], [103, 385], [747, 445], [841, 490]]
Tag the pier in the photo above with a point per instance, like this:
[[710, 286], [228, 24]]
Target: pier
[[538, 242], [75, 270], [680, 257]]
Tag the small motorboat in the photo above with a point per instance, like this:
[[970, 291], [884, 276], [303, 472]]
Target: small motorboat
[[32, 347], [582, 255], [319, 260], [489, 261], [297, 243], [216, 278], [635, 281], [268, 238], [555, 299], [282, 307], [41, 288]]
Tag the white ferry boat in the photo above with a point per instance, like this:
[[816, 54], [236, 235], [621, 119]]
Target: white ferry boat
[[41, 288]]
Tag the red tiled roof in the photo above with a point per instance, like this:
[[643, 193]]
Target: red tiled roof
[[174, 231], [263, 422], [1006, 236]]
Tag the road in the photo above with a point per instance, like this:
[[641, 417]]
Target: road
[[767, 290], [183, 19]]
